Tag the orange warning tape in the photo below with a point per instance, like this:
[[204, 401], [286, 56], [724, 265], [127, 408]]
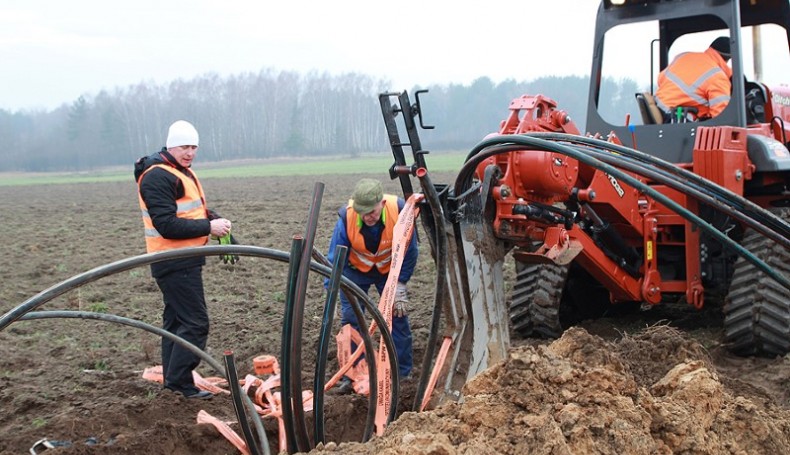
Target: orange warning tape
[[225, 430], [268, 404], [437, 368], [266, 364], [211, 384], [404, 228]]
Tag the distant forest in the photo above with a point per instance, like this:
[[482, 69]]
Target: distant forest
[[268, 114]]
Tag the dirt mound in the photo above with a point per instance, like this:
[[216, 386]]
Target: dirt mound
[[582, 394]]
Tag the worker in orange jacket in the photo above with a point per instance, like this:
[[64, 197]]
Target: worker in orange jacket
[[175, 215], [698, 80], [365, 226]]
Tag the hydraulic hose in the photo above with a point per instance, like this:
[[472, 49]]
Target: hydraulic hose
[[764, 216], [441, 291], [479, 153], [690, 190], [463, 181]]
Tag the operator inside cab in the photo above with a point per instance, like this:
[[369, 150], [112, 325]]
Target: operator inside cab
[[696, 85]]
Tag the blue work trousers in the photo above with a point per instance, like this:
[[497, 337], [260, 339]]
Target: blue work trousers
[[401, 331]]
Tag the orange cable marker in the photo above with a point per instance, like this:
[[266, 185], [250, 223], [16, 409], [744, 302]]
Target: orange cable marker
[[225, 430], [401, 238], [437, 368]]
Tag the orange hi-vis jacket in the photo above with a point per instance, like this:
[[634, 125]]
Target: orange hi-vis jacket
[[359, 256], [191, 206], [695, 79]]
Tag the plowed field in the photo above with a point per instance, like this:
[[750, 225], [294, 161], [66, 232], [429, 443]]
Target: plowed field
[[649, 383]]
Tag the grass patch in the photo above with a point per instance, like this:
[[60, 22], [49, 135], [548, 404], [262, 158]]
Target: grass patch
[[39, 422], [280, 167], [98, 307], [39, 178]]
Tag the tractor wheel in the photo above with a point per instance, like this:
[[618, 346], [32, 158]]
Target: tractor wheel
[[535, 304], [757, 308]]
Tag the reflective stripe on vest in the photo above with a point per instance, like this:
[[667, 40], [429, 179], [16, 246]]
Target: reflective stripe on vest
[[191, 206], [359, 256]]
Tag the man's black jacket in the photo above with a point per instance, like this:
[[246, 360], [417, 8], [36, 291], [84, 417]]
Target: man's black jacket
[[160, 190]]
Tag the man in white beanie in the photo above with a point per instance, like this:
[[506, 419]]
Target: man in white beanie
[[175, 215]]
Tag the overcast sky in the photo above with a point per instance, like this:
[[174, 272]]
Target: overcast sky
[[54, 51]]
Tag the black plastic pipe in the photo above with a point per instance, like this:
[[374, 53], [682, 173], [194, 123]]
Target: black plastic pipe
[[302, 438], [763, 216], [76, 281], [441, 288], [353, 292], [367, 341], [286, 350], [529, 141], [145, 259], [373, 371], [692, 190], [327, 323], [389, 344], [107, 317], [238, 405]]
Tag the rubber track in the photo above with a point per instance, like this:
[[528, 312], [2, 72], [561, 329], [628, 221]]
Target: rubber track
[[757, 309], [535, 304]]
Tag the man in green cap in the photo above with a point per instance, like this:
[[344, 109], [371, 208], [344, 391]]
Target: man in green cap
[[366, 226]]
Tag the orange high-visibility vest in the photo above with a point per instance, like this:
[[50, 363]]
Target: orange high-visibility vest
[[695, 79], [191, 206], [359, 256]]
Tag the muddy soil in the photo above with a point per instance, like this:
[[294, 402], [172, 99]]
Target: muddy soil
[[646, 383]]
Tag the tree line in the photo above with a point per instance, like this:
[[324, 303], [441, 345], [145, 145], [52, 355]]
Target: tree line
[[265, 115]]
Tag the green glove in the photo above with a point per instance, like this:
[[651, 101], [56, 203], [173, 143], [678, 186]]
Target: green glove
[[228, 239]]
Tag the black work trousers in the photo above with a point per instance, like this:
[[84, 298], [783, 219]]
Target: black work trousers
[[185, 315]]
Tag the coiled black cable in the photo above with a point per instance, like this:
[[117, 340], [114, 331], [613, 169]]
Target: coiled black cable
[[489, 147]]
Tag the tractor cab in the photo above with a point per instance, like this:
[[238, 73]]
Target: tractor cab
[[635, 40]]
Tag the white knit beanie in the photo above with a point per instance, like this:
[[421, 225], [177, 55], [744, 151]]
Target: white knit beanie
[[181, 133]]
